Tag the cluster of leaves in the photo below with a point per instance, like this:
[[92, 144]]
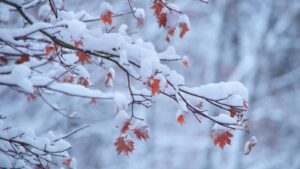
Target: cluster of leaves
[[72, 51], [138, 128], [20, 148], [169, 17]]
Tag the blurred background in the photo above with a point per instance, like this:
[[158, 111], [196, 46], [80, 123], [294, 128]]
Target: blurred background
[[256, 42]]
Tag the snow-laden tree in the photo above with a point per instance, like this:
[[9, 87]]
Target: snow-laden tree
[[48, 50]]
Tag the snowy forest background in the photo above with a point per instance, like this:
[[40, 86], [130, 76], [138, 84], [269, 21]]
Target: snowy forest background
[[255, 42]]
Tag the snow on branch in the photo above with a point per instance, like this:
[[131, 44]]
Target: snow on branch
[[23, 149], [56, 51]]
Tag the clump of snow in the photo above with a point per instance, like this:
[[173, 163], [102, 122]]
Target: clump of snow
[[123, 29], [82, 72], [249, 145], [181, 103], [122, 118], [225, 119], [20, 164], [19, 77], [234, 100], [220, 90], [59, 4], [76, 29], [44, 12], [78, 90], [169, 54], [123, 58], [184, 19], [69, 59], [175, 78], [180, 112], [112, 72], [121, 101], [4, 14], [149, 66], [105, 7], [140, 13], [4, 161]]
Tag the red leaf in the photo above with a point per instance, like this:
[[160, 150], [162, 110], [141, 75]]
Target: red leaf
[[184, 28], [108, 80], [125, 127], [139, 22], [93, 101], [83, 58], [245, 103], [162, 20], [233, 112], [4, 61], [221, 137], [69, 80], [185, 63], [31, 97], [155, 86], [83, 82], [67, 162], [23, 59], [168, 39], [50, 50], [142, 133], [180, 119], [78, 44], [124, 145], [200, 105], [157, 8], [250, 144], [106, 18], [171, 31]]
